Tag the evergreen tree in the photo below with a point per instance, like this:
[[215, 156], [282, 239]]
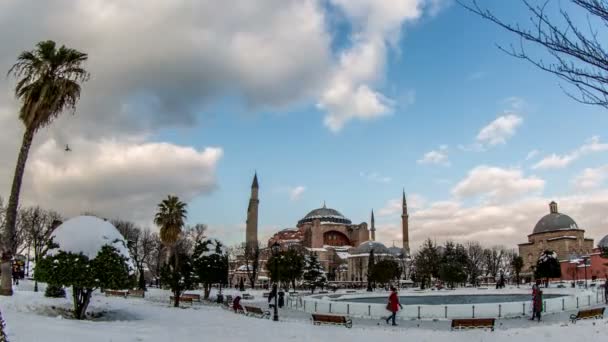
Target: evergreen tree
[[3, 337], [452, 268], [371, 262], [210, 264], [293, 266], [548, 267], [109, 270], [426, 263], [517, 264], [386, 270], [313, 275], [178, 273]]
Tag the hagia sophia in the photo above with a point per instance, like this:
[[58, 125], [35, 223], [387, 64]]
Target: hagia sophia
[[344, 247]]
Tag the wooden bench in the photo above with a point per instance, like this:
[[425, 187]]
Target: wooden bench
[[256, 312], [588, 314], [318, 319], [473, 323], [181, 299], [266, 294], [116, 293], [193, 297], [246, 296], [137, 293], [351, 291]]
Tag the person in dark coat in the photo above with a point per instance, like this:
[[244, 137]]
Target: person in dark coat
[[271, 296], [236, 304], [393, 305], [537, 301], [281, 299]]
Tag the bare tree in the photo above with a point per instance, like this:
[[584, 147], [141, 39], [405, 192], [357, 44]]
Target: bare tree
[[574, 46], [154, 262], [252, 263], [196, 233], [141, 244], [475, 262], [38, 225]]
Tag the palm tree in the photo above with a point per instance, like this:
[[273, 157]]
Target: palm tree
[[170, 218], [48, 83]]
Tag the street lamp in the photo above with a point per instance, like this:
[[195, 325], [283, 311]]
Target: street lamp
[[275, 248]]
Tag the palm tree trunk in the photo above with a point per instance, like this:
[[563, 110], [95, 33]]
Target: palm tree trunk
[[11, 211]]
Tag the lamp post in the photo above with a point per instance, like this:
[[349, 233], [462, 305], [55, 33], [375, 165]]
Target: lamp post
[[275, 248], [585, 258]]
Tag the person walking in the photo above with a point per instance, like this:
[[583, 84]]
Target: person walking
[[537, 301], [393, 305], [236, 304], [271, 296]]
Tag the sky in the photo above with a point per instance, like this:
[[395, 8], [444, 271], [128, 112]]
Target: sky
[[349, 102]]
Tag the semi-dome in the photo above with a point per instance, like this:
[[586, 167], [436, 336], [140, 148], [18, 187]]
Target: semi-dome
[[366, 248], [325, 215], [603, 242], [554, 221], [396, 251]]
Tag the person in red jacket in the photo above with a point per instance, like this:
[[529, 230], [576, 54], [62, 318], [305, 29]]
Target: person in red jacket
[[393, 305]]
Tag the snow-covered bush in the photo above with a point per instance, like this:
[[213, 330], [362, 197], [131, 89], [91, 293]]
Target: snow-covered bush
[[210, 263], [86, 253], [3, 337], [179, 274], [54, 291]]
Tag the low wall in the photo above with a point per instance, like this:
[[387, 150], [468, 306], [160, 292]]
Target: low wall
[[495, 310]]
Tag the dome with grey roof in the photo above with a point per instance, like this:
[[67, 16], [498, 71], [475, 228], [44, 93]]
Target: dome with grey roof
[[603, 242], [366, 248], [554, 221], [325, 215]]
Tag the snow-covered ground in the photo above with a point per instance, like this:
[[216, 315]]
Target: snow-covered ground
[[32, 317]]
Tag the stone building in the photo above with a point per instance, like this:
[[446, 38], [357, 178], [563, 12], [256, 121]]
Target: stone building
[[557, 232]]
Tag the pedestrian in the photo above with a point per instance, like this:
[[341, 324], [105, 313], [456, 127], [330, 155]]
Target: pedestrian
[[236, 304], [537, 301], [271, 296], [606, 290], [393, 305], [281, 299]]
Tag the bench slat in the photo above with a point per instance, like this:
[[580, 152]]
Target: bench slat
[[318, 319], [473, 323]]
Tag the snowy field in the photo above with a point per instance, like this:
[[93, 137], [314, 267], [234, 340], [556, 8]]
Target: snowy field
[[32, 317]]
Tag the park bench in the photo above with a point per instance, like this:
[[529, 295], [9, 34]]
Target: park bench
[[193, 297], [588, 314], [323, 292], [116, 293], [246, 296], [318, 319], [473, 323], [136, 293], [266, 294], [351, 291], [256, 312]]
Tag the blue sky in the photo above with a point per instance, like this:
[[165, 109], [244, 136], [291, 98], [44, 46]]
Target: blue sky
[[440, 80]]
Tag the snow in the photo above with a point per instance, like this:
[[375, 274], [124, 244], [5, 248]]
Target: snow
[[30, 317], [87, 235]]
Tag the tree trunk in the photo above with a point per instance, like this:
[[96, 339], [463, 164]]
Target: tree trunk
[[176, 296], [82, 298], [142, 280], [6, 285], [207, 291], [11, 210]]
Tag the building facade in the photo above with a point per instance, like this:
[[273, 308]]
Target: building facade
[[556, 232]]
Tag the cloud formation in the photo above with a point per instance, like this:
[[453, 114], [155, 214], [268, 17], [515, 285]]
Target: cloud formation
[[295, 193], [591, 178], [436, 157], [554, 161], [496, 184], [375, 177], [499, 130]]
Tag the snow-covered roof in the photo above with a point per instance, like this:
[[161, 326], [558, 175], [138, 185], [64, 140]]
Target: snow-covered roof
[[562, 237], [343, 255], [87, 235]]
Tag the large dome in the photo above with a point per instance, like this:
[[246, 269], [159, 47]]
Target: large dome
[[554, 221], [366, 248], [325, 215], [603, 242]]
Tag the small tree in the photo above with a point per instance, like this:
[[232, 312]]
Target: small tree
[[293, 266], [3, 337], [210, 264], [252, 263], [475, 262], [314, 275], [178, 273], [517, 264], [452, 269], [426, 263], [548, 267], [371, 262], [109, 269], [386, 270]]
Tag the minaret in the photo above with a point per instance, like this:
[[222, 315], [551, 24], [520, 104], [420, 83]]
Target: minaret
[[373, 229], [405, 225], [251, 238]]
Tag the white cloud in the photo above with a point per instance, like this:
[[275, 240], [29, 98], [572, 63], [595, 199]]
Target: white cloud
[[394, 206], [295, 193], [477, 75], [350, 94], [554, 161], [532, 154], [375, 177], [497, 184], [116, 178], [436, 157], [591, 178], [499, 130]]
